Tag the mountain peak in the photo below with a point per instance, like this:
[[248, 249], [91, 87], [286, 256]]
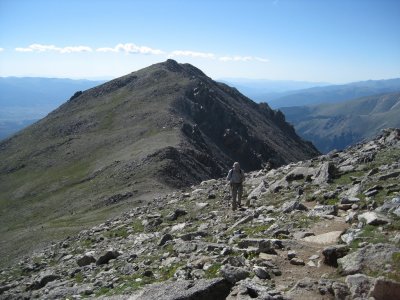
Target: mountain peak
[[110, 147], [172, 65]]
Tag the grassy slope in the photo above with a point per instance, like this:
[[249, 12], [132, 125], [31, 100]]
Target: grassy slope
[[56, 174]]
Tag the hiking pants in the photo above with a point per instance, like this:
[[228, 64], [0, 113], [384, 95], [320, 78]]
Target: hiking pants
[[237, 191]]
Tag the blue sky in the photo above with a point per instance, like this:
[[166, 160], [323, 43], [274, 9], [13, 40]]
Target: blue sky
[[333, 41]]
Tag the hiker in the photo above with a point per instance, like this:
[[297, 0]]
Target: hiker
[[236, 178]]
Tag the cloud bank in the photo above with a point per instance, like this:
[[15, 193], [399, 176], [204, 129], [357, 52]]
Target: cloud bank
[[131, 48], [135, 49], [45, 48], [192, 54]]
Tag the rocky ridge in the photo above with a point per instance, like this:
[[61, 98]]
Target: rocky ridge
[[115, 146], [325, 228]]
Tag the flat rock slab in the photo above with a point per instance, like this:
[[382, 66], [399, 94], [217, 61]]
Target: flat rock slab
[[217, 288], [324, 239]]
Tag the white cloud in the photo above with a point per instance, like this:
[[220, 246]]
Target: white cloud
[[131, 48], [1, 49], [44, 48], [192, 54], [242, 58], [261, 59]]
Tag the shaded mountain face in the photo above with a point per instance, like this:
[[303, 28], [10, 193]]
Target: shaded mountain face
[[337, 126], [168, 125]]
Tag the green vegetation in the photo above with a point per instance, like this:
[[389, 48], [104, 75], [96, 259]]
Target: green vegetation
[[347, 178], [385, 156], [213, 271], [370, 234], [121, 232], [254, 231], [78, 277], [395, 273]]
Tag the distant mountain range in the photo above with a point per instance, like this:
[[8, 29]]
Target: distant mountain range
[[335, 93], [262, 90], [24, 100], [338, 125], [118, 144]]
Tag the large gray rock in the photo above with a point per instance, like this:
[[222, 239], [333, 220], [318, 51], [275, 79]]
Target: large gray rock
[[323, 210], [258, 191], [261, 272], [372, 257], [165, 238], [85, 260], [184, 247], [290, 206], [299, 173], [333, 253], [233, 274], [202, 289], [340, 290], [324, 173], [176, 214], [243, 220], [373, 218], [359, 285], [262, 245], [248, 289], [385, 289], [390, 205], [107, 256], [43, 279], [327, 238]]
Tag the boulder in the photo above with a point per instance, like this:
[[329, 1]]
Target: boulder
[[42, 280], [373, 218], [324, 238], [233, 274], [359, 285], [324, 173], [262, 245], [261, 273], [390, 205], [176, 214], [243, 220], [323, 210], [297, 261], [85, 260], [185, 247], [290, 206], [202, 289], [385, 289], [371, 257], [333, 253], [299, 173], [248, 289], [106, 257], [165, 238], [258, 191], [340, 290]]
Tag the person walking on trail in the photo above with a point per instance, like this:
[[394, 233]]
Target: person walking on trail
[[236, 178]]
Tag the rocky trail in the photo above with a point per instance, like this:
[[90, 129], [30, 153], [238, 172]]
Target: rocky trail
[[326, 228]]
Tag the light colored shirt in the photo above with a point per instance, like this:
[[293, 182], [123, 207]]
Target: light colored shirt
[[235, 176]]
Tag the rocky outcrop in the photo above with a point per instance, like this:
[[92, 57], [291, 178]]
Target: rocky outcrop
[[188, 244], [186, 290]]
